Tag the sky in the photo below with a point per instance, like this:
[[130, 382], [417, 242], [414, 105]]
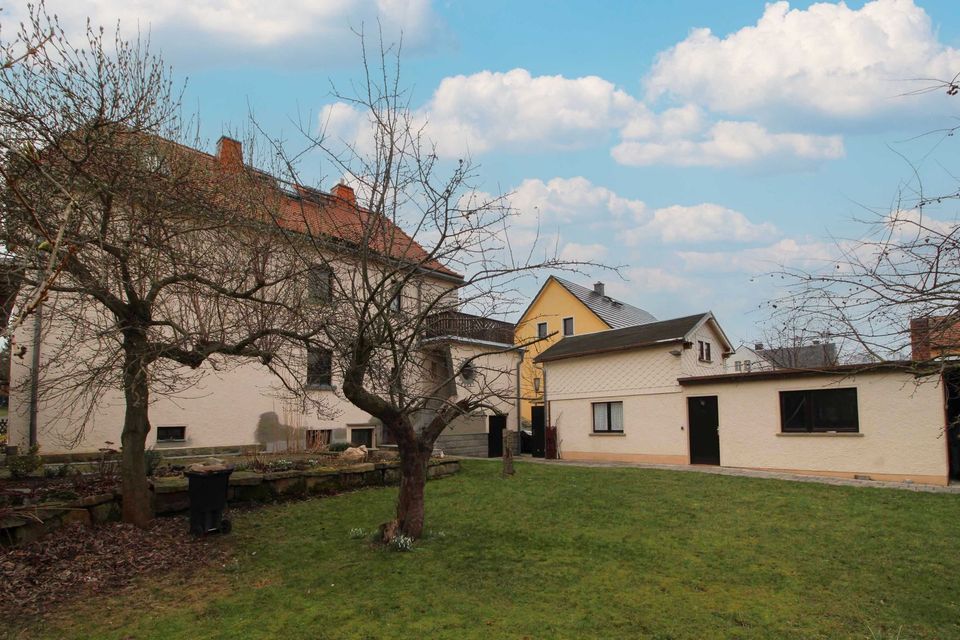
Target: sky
[[700, 145]]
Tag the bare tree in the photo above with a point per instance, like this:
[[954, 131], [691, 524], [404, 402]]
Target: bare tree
[[153, 259], [894, 292], [401, 264]]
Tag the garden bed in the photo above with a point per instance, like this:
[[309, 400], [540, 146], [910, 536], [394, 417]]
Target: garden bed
[[25, 524]]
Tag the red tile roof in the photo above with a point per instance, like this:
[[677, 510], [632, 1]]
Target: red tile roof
[[330, 215]]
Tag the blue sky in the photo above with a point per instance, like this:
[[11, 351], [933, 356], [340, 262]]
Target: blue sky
[[701, 143]]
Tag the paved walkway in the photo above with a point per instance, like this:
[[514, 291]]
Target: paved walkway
[[750, 473]]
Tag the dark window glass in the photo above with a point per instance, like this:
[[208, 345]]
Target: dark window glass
[[819, 410], [704, 350], [319, 367], [320, 284], [542, 330], [361, 437], [396, 302], [568, 326], [171, 434]]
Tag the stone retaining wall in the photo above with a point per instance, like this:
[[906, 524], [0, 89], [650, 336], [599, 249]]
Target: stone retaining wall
[[171, 495]]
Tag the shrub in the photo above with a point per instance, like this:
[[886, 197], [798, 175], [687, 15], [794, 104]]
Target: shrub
[[356, 533], [339, 446], [24, 465]]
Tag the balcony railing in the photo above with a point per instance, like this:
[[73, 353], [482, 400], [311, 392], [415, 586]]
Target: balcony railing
[[464, 325]]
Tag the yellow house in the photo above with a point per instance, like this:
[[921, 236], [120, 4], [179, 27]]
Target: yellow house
[[560, 309]]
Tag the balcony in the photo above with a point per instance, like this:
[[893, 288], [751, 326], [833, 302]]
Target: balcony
[[453, 324]]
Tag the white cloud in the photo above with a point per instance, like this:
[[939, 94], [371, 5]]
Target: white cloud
[[478, 112], [648, 280], [786, 252], [583, 252], [705, 222], [565, 200], [290, 32], [730, 144], [827, 60]]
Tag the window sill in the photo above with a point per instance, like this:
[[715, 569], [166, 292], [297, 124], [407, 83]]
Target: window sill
[[320, 387], [821, 434], [605, 434]]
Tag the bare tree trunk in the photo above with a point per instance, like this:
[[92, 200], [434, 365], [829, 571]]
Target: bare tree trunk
[[137, 509], [508, 469], [414, 458]]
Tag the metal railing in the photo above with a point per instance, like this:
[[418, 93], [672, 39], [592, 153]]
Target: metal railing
[[465, 325]]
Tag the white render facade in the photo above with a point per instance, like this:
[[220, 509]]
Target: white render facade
[[890, 428]]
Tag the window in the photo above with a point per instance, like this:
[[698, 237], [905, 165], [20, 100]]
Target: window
[[608, 417], [541, 329], [819, 411], [318, 438], [320, 284], [738, 365], [746, 365], [468, 372], [171, 434], [361, 437], [568, 326], [319, 367], [704, 351], [396, 301]]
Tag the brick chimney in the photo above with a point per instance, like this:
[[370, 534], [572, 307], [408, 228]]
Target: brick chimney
[[598, 288], [345, 193], [758, 346], [230, 153], [920, 339]]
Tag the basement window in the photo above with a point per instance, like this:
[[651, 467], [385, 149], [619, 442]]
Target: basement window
[[172, 434], [819, 411], [362, 437]]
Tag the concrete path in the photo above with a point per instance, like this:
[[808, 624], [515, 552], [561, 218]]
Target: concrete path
[[750, 473]]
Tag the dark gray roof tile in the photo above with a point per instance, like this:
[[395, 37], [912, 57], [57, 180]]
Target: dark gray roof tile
[[615, 313], [622, 339]]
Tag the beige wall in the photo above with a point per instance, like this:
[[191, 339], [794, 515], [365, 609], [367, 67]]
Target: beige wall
[[243, 404], [901, 419], [901, 427]]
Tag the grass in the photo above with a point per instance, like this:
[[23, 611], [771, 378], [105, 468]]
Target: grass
[[564, 552]]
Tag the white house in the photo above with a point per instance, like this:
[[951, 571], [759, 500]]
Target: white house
[[655, 393], [241, 403]]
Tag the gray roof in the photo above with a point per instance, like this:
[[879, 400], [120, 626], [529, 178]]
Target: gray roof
[[615, 313], [622, 339], [808, 357]]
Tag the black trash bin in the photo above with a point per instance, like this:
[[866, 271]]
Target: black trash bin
[[208, 498]]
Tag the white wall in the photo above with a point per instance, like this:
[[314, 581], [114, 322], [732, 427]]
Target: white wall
[[241, 405], [901, 427], [901, 419]]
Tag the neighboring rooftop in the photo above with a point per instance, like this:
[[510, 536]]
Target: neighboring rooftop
[[806, 357], [615, 313], [642, 335]]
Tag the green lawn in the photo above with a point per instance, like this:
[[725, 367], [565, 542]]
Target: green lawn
[[562, 552]]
